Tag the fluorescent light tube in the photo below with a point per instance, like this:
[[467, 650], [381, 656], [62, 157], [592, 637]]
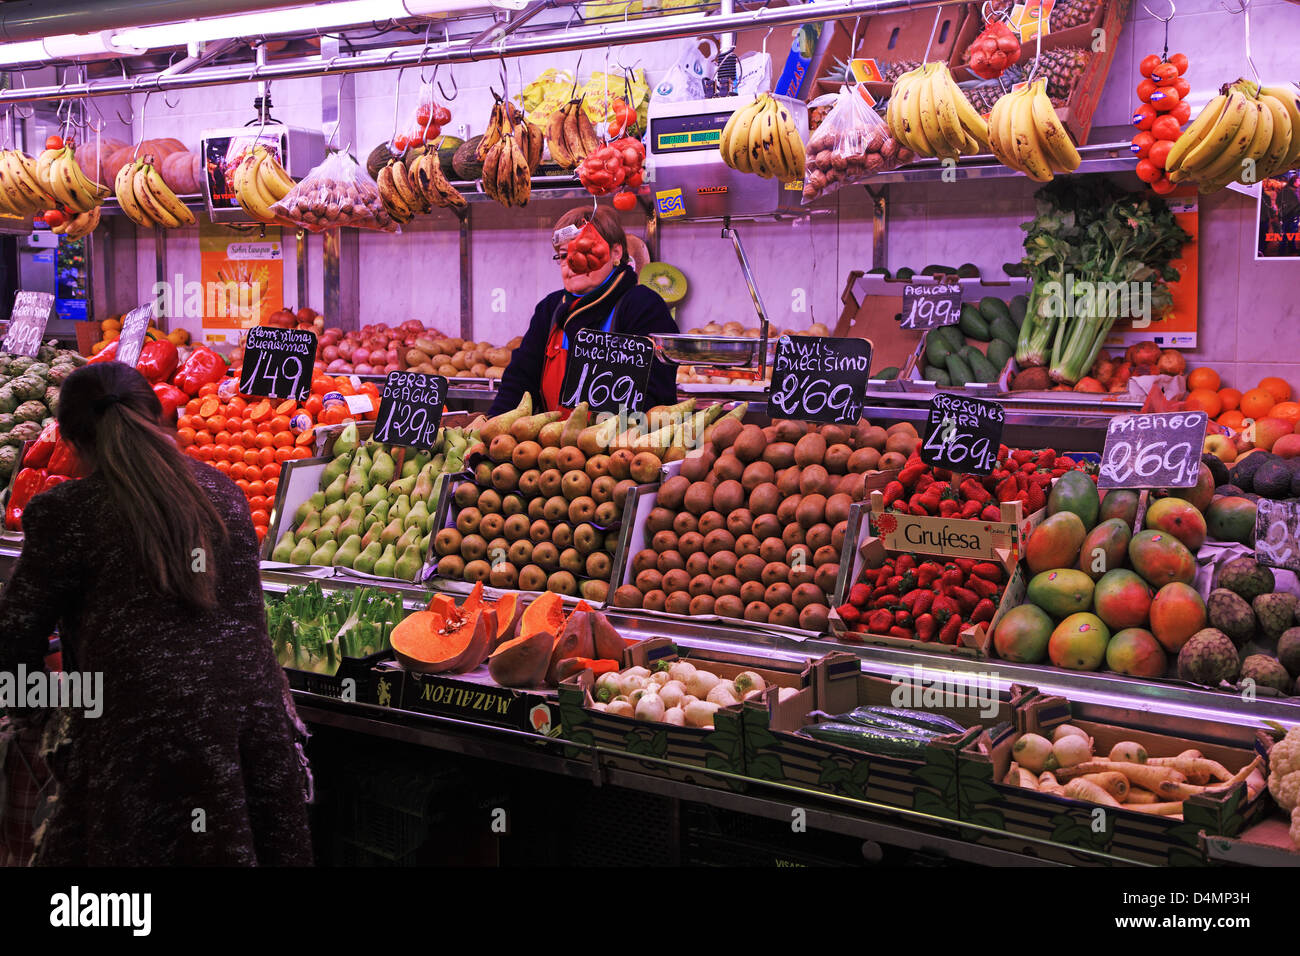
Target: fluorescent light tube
[[68, 46]]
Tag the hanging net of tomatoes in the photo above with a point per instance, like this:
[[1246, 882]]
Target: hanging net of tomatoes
[[1160, 116]]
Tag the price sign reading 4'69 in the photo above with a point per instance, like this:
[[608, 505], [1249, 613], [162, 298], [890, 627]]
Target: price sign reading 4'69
[[929, 306], [963, 434], [410, 409], [27, 323], [1153, 450], [607, 370], [1277, 534], [278, 363], [819, 379]]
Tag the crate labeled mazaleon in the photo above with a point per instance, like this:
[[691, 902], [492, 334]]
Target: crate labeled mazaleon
[[1153, 450], [930, 306], [27, 323], [410, 409], [607, 371], [819, 379], [278, 363], [963, 434]]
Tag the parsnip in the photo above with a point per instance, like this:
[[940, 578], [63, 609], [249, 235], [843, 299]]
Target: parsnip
[[1170, 809], [1081, 789], [1137, 795], [1048, 783], [1112, 781], [1197, 770]]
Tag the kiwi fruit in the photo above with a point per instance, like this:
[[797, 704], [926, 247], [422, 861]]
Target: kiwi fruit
[[778, 593], [717, 540], [504, 576], [665, 540], [597, 467], [671, 492], [740, 522], [711, 521], [562, 535], [814, 480], [562, 582], [620, 492], [785, 614], [787, 481], [627, 596], [644, 560], [684, 523], [729, 605], [701, 604], [727, 584], [659, 519], [774, 573], [814, 617], [746, 544], [583, 509], [826, 576], [690, 542], [599, 564], [644, 468], [476, 571], [835, 434], [750, 567], [468, 520], [810, 450], [451, 566], [654, 600], [698, 563], [749, 443], [698, 497], [863, 459], [870, 436], [792, 535], [722, 433], [537, 509], [546, 556], [799, 574], [650, 579], [806, 594], [502, 448], [818, 536], [756, 611], [728, 468], [492, 526], [838, 534], [700, 584], [697, 465], [811, 510], [602, 489], [790, 430], [757, 473], [891, 460], [728, 496], [751, 591], [520, 553], [764, 500], [547, 459], [447, 541], [778, 455], [724, 562], [675, 580], [467, 493], [679, 602], [473, 547], [854, 486], [620, 464], [771, 549], [670, 561], [767, 526], [788, 509]]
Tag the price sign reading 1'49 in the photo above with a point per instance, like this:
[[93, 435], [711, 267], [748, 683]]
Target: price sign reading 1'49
[[1277, 534], [929, 306], [607, 370], [963, 434], [278, 363], [27, 323], [410, 409], [1153, 450], [820, 379]]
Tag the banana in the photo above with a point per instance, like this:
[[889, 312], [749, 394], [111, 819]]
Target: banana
[[757, 155], [772, 158], [555, 140], [1219, 137], [1056, 141], [523, 175], [164, 198], [59, 185], [970, 120], [140, 186], [1025, 142], [1258, 148], [82, 225], [934, 139], [84, 194], [492, 135], [587, 133], [276, 183], [791, 145], [1227, 162], [1289, 97], [447, 194], [945, 109], [122, 187], [405, 188], [248, 189], [391, 198], [1191, 136], [30, 167], [37, 197], [912, 123], [43, 164], [15, 198], [737, 128], [1280, 145]]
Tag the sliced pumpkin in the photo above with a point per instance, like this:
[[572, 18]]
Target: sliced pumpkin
[[574, 641], [509, 610], [545, 614], [443, 604], [609, 645], [522, 662], [475, 599], [430, 642]]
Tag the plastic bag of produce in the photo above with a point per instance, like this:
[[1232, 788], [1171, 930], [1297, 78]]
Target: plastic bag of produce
[[338, 192], [851, 145]]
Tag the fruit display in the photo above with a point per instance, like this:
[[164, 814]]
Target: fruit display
[[1128, 777], [543, 646], [570, 135], [761, 138], [676, 692], [753, 525], [410, 189], [258, 182], [993, 51], [605, 98], [922, 598], [1245, 135], [702, 375], [374, 509], [1065, 13], [60, 175], [1160, 117], [111, 329], [1259, 418], [1020, 474], [29, 398], [543, 508], [615, 165], [146, 199], [510, 151], [1026, 134], [412, 346], [930, 115], [313, 631], [1062, 67], [1251, 632], [24, 192], [950, 356]]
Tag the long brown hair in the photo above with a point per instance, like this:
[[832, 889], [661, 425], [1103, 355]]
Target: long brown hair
[[111, 416]]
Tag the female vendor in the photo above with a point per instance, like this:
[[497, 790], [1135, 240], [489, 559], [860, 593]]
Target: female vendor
[[607, 298]]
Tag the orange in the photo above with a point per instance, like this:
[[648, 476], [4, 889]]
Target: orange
[[272, 486], [256, 488], [283, 454], [220, 452], [192, 406], [265, 456], [236, 469], [203, 437], [1288, 411], [278, 423], [1232, 419], [313, 406], [236, 405], [286, 408], [257, 501], [260, 520], [217, 422], [283, 439], [203, 452], [299, 452], [222, 466], [259, 412], [208, 391], [250, 456], [1257, 402], [209, 408], [1230, 397], [236, 453], [222, 437], [1203, 378], [271, 470], [1205, 400], [1277, 387], [185, 436], [243, 485]]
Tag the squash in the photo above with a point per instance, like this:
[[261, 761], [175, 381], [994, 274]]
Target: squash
[[509, 610], [432, 642], [609, 646], [545, 614], [574, 641], [522, 662]]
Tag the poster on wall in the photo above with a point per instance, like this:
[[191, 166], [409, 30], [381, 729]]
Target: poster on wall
[[1177, 329], [242, 280], [1277, 233]]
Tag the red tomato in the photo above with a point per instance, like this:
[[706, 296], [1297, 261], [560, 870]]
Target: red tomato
[[1182, 112], [54, 217], [423, 114], [442, 116], [1147, 171], [1145, 88], [1148, 64], [400, 142], [432, 132], [1159, 151], [1144, 116], [54, 142], [1179, 60], [624, 201], [1165, 127], [1142, 144], [1162, 186], [1164, 99]]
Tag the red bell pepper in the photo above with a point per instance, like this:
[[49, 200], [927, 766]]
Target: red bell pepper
[[38, 455], [27, 484], [52, 480], [63, 461], [158, 361], [171, 398], [107, 354], [203, 366]]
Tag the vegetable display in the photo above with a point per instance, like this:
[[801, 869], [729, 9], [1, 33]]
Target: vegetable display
[[49, 461], [677, 692], [378, 349], [29, 398], [312, 631]]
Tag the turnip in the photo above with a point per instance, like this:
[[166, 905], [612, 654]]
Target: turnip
[[675, 715], [363, 369], [681, 670], [1071, 749], [660, 678], [785, 693], [636, 695], [1066, 730], [1034, 753], [1128, 752], [620, 708], [608, 679], [329, 353], [650, 707], [701, 682], [638, 671], [673, 693], [700, 714], [688, 700], [722, 694], [629, 682], [746, 681], [599, 706]]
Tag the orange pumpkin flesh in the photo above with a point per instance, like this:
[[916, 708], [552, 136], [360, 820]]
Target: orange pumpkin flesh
[[522, 662], [509, 610], [433, 642], [609, 645], [574, 641]]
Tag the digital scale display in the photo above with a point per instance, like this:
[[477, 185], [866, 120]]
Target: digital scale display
[[685, 134]]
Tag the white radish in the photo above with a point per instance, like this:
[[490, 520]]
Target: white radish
[[1066, 730], [785, 693], [599, 706], [688, 700], [630, 682], [1034, 753], [620, 708], [673, 694], [1071, 749], [637, 671], [660, 678], [700, 683], [610, 680], [1126, 751], [675, 716], [747, 681], [650, 707], [700, 714], [722, 694], [681, 670], [635, 697]]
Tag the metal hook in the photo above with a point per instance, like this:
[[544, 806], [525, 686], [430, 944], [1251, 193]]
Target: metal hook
[[1244, 12], [31, 110], [454, 85], [1161, 19], [397, 97], [423, 50], [143, 107]]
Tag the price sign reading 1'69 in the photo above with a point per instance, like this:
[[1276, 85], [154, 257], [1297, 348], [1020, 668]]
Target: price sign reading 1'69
[[278, 363], [1153, 450], [929, 306], [819, 379], [963, 434], [607, 370], [410, 409]]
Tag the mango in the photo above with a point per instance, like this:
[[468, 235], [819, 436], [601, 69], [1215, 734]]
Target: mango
[[1122, 599], [1105, 547], [1179, 518], [1055, 543], [1136, 652], [1079, 642], [1161, 558], [1022, 635], [1061, 592]]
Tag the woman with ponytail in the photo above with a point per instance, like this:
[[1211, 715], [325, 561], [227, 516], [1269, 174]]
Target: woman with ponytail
[[148, 566]]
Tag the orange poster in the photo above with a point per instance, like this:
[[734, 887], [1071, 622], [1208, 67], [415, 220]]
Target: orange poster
[[242, 279], [1177, 330]]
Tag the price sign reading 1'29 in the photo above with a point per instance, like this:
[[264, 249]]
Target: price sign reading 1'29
[[410, 409], [1153, 450]]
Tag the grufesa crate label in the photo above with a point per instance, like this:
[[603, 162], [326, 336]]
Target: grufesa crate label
[[954, 537]]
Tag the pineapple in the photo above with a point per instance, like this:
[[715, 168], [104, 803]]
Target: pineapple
[[1063, 68], [1072, 13]]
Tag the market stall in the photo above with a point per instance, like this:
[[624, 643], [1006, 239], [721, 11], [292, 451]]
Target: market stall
[[975, 514]]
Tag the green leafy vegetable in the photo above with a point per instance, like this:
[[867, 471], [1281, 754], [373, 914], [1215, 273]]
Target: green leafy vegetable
[[313, 631]]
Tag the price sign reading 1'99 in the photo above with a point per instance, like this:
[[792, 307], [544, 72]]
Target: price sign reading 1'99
[[1153, 450], [278, 363], [929, 306]]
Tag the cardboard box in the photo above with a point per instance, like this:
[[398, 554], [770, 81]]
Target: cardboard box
[[476, 698], [666, 749], [929, 783], [356, 680], [1127, 834], [1267, 843]]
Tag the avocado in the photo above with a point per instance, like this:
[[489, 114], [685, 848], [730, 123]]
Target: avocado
[[973, 323], [1018, 305], [1243, 471], [1218, 469], [1272, 480], [937, 349], [1228, 491], [878, 272], [936, 375], [904, 274], [991, 307], [938, 270], [968, 270], [887, 374], [998, 352]]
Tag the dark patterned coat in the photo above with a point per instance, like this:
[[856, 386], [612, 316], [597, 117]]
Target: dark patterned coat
[[194, 758]]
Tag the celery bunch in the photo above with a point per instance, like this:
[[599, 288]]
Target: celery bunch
[[312, 631]]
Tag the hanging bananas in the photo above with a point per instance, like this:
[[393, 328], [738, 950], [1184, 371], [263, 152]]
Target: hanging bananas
[[78, 226], [63, 179], [1026, 134], [761, 138], [146, 199], [1245, 134], [22, 191], [406, 191], [570, 135], [930, 115], [258, 182]]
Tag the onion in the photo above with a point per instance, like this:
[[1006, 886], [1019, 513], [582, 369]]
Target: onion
[[363, 369], [336, 365], [346, 349], [329, 353], [392, 368], [391, 356], [360, 355]]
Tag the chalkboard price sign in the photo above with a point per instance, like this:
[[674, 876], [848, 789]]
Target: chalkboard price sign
[[1153, 450], [963, 434], [135, 325], [607, 370], [410, 409], [1277, 534], [819, 379], [278, 363], [931, 305], [27, 323]]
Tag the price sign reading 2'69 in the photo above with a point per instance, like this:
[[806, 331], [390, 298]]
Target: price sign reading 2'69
[[1153, 450], [410, 409], [607, 370], [278, 363], [819, 379], [963, 434]]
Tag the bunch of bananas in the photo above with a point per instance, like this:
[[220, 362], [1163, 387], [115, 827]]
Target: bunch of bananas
[[58, 171], [1026, 134], [146, 199], [408, 191], [570, 135], [22, 192], [258, 182], [761, 138], [507, 152], [930, 115], [1245, 134], [75, 227]]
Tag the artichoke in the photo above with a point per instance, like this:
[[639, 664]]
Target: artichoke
[[30, 412]]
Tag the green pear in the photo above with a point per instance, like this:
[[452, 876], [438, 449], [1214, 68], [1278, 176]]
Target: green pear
[[366, 559], [352, 524], [335, 491], [284, 549], [409, 538], [409, 564], [424, 484], [392, 531], [437, 463], [382, 468], [339, 466], [375, 495], [354, 500], [323, 556], [315, 503], [347, 553], [357, 483], [328, 531], [302, 551], [401, 486], [347, 440], [386, 563], [309, 527], [336, 509], [414, 463], [424, 543], [378, 515], [401, 508], [419, 517]]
